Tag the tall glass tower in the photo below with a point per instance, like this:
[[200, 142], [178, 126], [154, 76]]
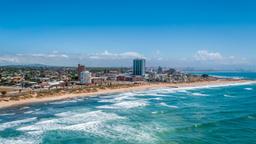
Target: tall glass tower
[[139, 67]]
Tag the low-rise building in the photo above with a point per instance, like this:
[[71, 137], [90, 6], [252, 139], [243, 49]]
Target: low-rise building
[[137, 78], [98, 80], [124, 78]]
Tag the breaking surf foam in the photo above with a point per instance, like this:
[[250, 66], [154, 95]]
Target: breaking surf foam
[[170, 106], [249, 89], [125, 105], [199, 94]]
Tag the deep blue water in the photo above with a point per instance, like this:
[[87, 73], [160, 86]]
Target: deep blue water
[[214, 115]]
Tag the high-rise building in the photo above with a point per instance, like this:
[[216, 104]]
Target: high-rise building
[[160, 70], [80, 69], [139, 67], [85, 77]]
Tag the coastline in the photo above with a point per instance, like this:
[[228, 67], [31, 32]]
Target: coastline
[[102, 92]]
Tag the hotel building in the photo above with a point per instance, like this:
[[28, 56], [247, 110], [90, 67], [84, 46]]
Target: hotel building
[[80, 69], [139, 67], [85, 77]]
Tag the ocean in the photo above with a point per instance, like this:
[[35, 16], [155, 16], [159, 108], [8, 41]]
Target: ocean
[[210, 114]]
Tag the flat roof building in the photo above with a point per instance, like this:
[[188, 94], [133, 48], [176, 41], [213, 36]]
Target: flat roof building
[[80, 69], [85, 77], [139, 67]]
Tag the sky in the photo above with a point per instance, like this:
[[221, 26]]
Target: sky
[[170, 33]]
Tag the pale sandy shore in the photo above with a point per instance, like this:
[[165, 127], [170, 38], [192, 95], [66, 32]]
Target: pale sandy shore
[[102, 92]]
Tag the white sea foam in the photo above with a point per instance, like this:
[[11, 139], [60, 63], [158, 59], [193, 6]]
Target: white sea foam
[[125, 105], [65, 101], [65, 114], [94, 122], [153, 92], [118, 98], [156, 94], [185, 89], [181, 89], [163, 92], [18, 140], [198, 94], [90, 122], [249, 89], [120, 132], [125, 132], [37, 109], [28, 112], [131, 104], [41, 126], [7, 114], [142, 135], [68, 121], [166, 105], [237, 77], [157, 98], [22, 139], [225, 95], [16, 123], [149, 92], [23, 108]]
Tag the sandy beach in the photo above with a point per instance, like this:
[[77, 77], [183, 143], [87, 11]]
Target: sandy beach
[[219, 82]]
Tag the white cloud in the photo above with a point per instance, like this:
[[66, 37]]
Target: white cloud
[[106, 58], [108, 55], [38, 58], [38, 55], [204, 55], [8, 59], [64, 56], [55, 55]]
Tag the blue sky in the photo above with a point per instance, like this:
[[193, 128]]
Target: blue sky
[[175, 33]]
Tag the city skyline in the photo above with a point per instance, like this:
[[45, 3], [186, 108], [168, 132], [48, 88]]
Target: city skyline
[[216, 34]]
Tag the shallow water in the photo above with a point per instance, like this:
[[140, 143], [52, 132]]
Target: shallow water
[[219, 115]]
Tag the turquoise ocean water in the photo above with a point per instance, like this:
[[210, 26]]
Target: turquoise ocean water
[[214, 115]]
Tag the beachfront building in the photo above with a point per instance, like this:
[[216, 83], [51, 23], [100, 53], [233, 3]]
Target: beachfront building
[[85, 77], [80, 68], [123, 77], [160, 70], [99, 80], [139, 67]]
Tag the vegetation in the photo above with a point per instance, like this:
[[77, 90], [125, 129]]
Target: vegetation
[[19, 76], [205, 76]]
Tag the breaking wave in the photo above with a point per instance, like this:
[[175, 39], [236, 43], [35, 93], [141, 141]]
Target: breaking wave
[[142, 117], [249, 89], [170, 106], [125, 105], [199, 94]]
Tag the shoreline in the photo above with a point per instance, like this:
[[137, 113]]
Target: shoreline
[[102, 92]]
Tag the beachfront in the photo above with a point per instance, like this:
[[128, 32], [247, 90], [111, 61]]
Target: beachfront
[[104, 91]]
